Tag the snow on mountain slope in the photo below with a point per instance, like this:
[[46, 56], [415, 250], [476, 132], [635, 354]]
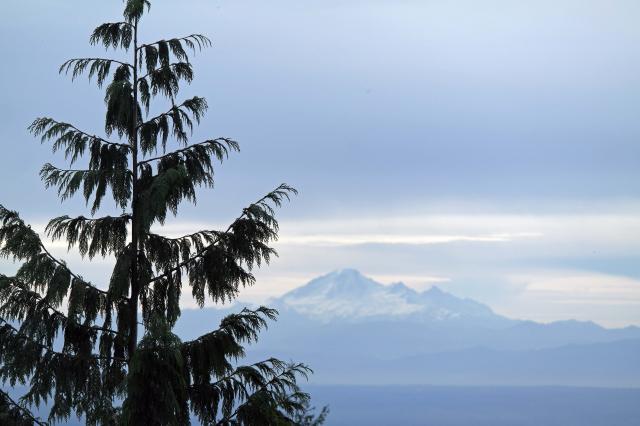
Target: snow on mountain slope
[[347, 294]]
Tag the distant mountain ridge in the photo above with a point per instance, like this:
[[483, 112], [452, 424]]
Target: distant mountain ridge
[[354, 330], [348, 295]]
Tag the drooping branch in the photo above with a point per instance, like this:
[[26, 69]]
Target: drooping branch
[[8, 331], [78, 278], [48, 128], [182, 69], [262, 388], [260, 212], [75, 142], [113, 34], [165, 252], [163, 192], [227, 340], [192, 41], [165, 80], [99, 67], [121, 104], [203, 151], [134, 10], [19, 241], [243, 326], [41, 320], [20, 412], [180, 118], [93, 236], [280, 396], [20, 303], [75, 371], [179, 172], [175, 179], [93, 182], [159, 52]]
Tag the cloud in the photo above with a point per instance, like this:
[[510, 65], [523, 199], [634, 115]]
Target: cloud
[[542, 267], [423, 239], [568, 294], [580, 285]]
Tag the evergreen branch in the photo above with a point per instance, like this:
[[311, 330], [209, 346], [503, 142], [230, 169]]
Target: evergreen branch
[[94, 183], [65, 66], [164, 79], [76, 378], [192, 41], [243, 376], [77, 277], [72, 139], [164, 251], [102, 235], [134, 9], [22, 336], [179, 117], [30, 417], [243, 327], [79, 379], [158, 54], [260, 209], [99, 67], [33, 300], [184, 104], [200, 40], [206, 235], [179, 67], [226, 341], [280, 382], [216, 146], [248, 383], [243, 370], [164, 191], [113, 34], [178, 173], [22, 242]]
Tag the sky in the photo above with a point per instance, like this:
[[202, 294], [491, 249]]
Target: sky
[[491, 148]]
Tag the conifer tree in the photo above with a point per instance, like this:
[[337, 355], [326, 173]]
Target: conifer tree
[[74, 344]]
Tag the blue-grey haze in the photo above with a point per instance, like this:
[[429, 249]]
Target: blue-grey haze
[[478, 406]]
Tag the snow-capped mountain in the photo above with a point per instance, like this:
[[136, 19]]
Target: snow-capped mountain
[[354, 330], [348, 295]]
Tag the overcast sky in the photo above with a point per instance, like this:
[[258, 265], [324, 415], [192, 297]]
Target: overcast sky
[[489, 147]]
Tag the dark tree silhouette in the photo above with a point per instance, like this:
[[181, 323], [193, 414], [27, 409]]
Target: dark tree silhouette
[[75, 344]]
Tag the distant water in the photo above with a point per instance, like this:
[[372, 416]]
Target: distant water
[[472, 406], [477, 406]]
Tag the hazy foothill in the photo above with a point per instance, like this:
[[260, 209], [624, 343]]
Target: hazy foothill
[[394, 335]]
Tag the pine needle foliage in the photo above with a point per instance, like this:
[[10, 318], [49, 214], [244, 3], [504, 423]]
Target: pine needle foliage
[[74, 345]]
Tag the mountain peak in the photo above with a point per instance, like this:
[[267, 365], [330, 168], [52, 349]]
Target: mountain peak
[[402, 289], [434, 290], [348, 294], [340, 284]]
